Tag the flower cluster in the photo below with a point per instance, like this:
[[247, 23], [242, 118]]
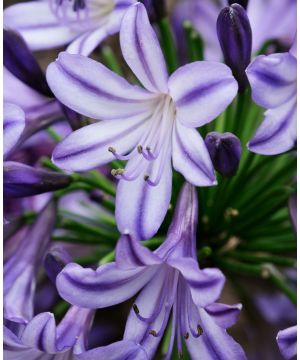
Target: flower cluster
[[149, 170]]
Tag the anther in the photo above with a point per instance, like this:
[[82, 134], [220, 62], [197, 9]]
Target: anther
[[139, 149], [153, 333], [116, 172], [111, 149], [148, 148], [146, 177], [186, 335], [199, 330], [180, 354], [136, 309]]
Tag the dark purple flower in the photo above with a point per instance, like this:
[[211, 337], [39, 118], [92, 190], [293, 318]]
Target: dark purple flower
[[235, 37], [21, 180], [287, 342], [273, 81], [20, 269], [225, 151], [170, 283]]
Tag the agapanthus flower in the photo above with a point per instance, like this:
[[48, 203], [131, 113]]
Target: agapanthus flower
[[52, 23], [287, 342], [21, 267], [170, 282], [273, 81], [148, 126], [42, 339]]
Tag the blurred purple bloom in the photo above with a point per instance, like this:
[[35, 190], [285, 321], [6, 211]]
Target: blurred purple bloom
[[235, 37], [171, 282], [293, 211], [20, 269], [81, 23], [273, 81], [287, 342], [148, 127], [225, 151], [41, 339]]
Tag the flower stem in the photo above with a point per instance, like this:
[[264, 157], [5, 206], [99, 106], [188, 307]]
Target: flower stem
[[168, 44]]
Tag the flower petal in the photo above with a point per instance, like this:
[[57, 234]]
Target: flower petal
[[201, 90], [130, 254], [278, 131], [140, 207], [205, 284], [13, 126], [141, 49], [224, 315], [88, 147], [287, 342], [190, 156], [272, 79], [214, 343], [38, 25], [106, 286], [91, 89]]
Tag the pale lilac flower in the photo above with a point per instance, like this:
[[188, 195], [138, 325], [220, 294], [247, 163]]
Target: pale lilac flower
[[20, 269], [150, 127], [41, 339], [170, 282], [273, 81], [83, 24], [287, 342]]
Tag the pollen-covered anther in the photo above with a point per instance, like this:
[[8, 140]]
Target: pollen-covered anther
[[153, 333], [116, 172], [140, 149], [186, 335], [199, 330], [146, 177], [135, 308], [112, 149]]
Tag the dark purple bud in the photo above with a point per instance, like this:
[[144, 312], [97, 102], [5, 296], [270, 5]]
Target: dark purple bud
[[55, 260], [293, 211], [235, 37], [225, 151], [156, 9], [21, 180], [243, 3], [19, 60]]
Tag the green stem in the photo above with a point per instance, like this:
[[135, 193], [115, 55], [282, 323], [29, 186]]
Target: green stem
[[110, 60], [168, 44], [194, 42]]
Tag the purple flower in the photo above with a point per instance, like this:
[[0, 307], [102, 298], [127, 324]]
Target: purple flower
[[148, 127], [287, 342], [170, 282], [225, 151], [81, 23], [20, 269], [293, 211], [235, 37], [41, 339], [273, 81]]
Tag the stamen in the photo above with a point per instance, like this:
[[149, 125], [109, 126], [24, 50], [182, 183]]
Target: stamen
[[153, 333], [186, 335], [136, 309], [140, 149], [111, 149], [116, 172], [180, 354], [146, 177], [199, 330]]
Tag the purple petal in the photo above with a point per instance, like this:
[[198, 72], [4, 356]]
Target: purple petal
[[201, 91], [82, 85], [38, 25], [214, 343], [121, 350], [272, 79], [287, 342], [141, 49], [89, 146], [205, 285], [106, 286], [140, 207], [190, 156], [13, 126], [55, 260], [293, 211], [278, 131], [293, 49], [223, 315], [21, 180], [130, 254]]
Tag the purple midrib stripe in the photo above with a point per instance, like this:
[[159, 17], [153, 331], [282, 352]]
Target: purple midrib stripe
[[284, 124], [271, 79], [103, 143], [96, 90], [202, 169], [11, 123], [202, 90]]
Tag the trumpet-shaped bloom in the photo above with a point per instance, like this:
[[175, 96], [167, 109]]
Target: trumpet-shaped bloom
[[53, 23], [150, 127], [170, 282], [273, 81], [287, 342], [41, 339]]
